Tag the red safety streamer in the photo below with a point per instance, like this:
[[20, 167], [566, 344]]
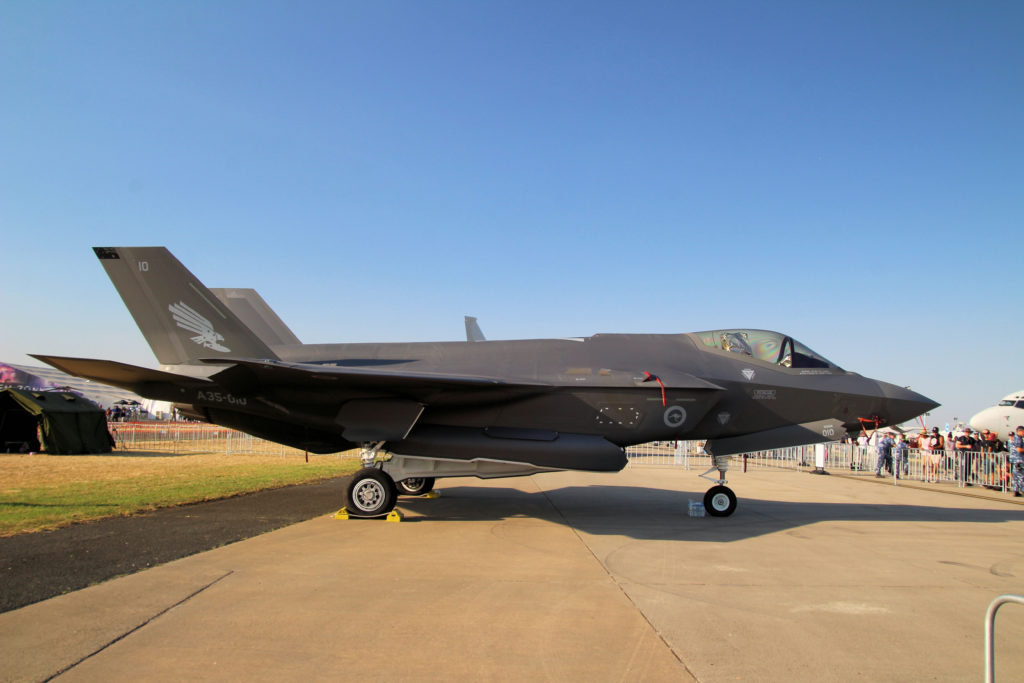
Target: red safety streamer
[[655, 378]]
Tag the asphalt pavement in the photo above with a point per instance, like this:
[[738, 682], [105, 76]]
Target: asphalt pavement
[[566, 576]]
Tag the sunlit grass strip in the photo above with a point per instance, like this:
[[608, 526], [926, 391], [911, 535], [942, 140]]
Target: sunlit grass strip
[[48, 507]]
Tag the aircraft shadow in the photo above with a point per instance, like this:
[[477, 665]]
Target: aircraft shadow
[[646, 513]]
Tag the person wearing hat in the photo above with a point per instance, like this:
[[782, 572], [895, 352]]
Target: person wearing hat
[[1016, 447], [935, 453], [966, 446]]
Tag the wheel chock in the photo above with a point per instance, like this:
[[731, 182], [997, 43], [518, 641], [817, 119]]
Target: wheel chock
[[394, 516], [432, 494], [341, 514]]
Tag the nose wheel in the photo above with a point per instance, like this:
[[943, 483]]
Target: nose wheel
[[720, 501]]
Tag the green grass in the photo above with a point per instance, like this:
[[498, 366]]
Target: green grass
[[37, 508]]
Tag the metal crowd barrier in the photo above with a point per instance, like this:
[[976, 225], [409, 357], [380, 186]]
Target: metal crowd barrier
[[691, 455], [992, 470], [971, 468], [184, 438]]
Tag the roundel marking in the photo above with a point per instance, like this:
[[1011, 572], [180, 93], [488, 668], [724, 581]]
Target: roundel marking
[[675, 416]]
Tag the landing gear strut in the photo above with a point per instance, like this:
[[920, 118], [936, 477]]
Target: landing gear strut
[[719, 501]]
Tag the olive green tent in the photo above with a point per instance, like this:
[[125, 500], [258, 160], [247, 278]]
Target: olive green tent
[[67, 423]]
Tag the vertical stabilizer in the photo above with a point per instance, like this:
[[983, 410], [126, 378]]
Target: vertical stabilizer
[[473, 331], [181, 319], [257, 315]]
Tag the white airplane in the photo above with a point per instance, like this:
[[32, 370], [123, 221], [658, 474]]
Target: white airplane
[[1002, 418]]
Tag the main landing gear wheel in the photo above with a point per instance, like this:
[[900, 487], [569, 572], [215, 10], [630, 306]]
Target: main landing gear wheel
[[415, 486], [371, 493], [720, 501]]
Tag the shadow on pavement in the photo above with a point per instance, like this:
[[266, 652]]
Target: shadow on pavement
[[41, 565]]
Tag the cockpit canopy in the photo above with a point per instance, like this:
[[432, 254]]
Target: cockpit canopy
[[771, 347]]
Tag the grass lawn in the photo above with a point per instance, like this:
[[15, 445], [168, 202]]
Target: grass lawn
[[40, 492]]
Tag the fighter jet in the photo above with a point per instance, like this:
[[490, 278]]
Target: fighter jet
[[420, 411]]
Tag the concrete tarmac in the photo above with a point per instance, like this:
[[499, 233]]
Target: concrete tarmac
[[567, 576]]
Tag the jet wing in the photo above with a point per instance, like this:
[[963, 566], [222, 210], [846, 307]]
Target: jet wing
[[418, 384], [415, 383]]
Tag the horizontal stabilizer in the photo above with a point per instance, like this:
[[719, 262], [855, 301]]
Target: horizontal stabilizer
[[142, 381]]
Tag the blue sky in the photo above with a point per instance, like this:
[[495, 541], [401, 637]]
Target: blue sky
[[851, 174]]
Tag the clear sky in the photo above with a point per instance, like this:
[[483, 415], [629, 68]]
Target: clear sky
[[849, 173]]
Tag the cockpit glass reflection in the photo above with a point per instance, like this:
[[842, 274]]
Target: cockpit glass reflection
[[765, 345]]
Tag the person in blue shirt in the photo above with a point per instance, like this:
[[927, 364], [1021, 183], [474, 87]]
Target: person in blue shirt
[[900, 460], [884, 453], [1016, 448]]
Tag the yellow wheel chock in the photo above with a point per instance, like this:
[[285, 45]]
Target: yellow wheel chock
[[432, 494], [393, 516]]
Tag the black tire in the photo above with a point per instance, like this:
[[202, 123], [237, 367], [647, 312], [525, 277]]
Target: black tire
[[371, 493], [720, 501], [415, 486]]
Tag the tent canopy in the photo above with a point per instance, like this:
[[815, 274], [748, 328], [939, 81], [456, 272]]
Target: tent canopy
[[67, 423]]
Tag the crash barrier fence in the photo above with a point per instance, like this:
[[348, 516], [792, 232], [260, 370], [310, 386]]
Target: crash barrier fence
[[690, 455], [972, 468], [964, 468], [184, 438]]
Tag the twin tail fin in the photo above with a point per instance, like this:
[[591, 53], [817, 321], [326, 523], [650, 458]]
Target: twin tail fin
[[182, 320]]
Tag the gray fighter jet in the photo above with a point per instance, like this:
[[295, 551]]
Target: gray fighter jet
[[420, 411]]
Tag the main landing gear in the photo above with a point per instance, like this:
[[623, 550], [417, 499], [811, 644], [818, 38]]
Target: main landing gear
[[371, 493], [415, 486], [374, 493], [719, 501]]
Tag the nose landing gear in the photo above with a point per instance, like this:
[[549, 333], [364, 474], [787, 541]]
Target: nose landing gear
[[719, 501]]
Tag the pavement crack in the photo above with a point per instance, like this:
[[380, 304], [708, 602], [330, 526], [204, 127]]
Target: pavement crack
[[130, 631], [618, 585]]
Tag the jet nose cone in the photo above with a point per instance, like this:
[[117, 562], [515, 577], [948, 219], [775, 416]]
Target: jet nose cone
[[904, 404]]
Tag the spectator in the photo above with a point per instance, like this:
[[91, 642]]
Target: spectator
[[935, 454], [966, 446], [1016, 447], [925, 447], [900, 460], [862, 450], [884, 454], [989, 468]]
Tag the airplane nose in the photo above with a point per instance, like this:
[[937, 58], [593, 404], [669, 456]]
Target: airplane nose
[[902, 404]]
